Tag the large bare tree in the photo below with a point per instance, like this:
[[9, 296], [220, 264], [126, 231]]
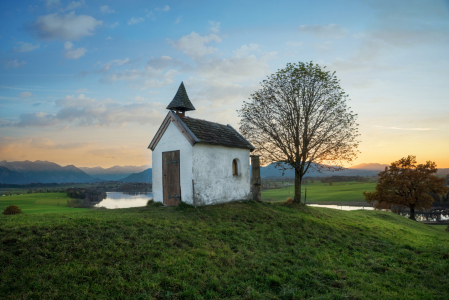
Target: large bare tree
[[299, 119]]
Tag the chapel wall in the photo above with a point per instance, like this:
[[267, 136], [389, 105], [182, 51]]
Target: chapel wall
[[212, 174], [172, 140]]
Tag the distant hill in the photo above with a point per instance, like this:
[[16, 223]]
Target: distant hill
[[370, 166], [271, 171], [113, 173], [11, 177], [145, 176], [443, 171], [42, 172]]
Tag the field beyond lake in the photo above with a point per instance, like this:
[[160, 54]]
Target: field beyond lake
[[323, 193], [242, 250]]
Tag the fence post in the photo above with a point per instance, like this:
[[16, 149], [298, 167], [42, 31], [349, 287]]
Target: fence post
[[255, 178]]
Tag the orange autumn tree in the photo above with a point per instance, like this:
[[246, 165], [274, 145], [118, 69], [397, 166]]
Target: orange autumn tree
[[407, 184]]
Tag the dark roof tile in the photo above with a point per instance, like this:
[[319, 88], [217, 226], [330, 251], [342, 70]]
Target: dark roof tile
[[216, 134]]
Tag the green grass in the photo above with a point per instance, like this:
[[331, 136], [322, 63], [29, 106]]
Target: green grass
[[441, 228], [38, 203], [323, 192], [234, 251]]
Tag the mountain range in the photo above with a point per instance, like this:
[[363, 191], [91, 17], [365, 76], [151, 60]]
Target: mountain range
[[114, 173], [23, 172]]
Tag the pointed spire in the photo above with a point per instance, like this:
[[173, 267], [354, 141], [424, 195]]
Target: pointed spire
[[181, 101]]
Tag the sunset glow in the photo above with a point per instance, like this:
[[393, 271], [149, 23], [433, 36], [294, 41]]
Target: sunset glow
[[86, 83]]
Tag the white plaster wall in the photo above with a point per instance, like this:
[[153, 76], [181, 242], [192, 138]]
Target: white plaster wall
[[173, 140], [212, 174]]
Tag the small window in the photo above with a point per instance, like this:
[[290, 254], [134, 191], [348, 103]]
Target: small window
[[235, 168]]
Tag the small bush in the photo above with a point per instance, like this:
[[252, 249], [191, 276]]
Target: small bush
[[158, 204], [12, 210], [447, 228], [289, 201], [150, 202]]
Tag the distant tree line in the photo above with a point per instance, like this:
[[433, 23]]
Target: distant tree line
[[329, 179], [84, 197]]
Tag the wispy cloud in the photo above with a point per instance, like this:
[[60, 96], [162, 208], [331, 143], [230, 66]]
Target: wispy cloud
[[106, 9], [14, 64], [133, 21], [333, 31], [401, 128], [24, 47]]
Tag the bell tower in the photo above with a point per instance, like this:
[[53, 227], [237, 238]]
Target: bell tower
[[181, 102]]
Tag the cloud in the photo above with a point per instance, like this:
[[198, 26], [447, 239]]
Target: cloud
[[83, 90], [15, 145], [117, 62], [14, 64], [157, 73], [165, 8], [164, 62], [214, 26], [24, 47], [75, 53], [72, 5], [178, 20], [39, 119], [242, 67], [26, 94], [194, 46], [322, 47], [332, 31], [52, 3], [84, 111], [246, 50], [65, 27], [68, 45], [106, 9], [400, 128], [108, 38], [133, 21], [88, 111]]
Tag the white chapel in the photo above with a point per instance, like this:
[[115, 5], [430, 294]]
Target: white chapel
[[196, 161]]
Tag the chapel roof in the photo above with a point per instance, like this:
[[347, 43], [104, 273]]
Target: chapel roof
[[216, 134], [181, 100], [203, 132]]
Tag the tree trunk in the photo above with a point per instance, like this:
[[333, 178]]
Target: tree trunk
[[412, 213], [298, 179]]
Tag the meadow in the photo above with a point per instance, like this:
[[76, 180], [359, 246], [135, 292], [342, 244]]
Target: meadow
[[38, 203], [323, 193], [237, 250]]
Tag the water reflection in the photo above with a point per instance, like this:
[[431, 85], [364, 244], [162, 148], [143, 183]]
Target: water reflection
[[432, 215], [124, 200]]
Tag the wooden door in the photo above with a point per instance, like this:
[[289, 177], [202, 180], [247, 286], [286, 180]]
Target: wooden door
[[171, 178]]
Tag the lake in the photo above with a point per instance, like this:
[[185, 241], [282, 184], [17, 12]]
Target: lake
[[431, 215], [124, 200]]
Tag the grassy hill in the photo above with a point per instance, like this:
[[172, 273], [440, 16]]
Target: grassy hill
[[237, 251], [323, 193]]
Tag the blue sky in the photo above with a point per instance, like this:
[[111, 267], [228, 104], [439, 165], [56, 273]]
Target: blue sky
[[87, 82]]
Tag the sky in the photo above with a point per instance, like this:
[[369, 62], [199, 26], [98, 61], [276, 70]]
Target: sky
[[87, 82]]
